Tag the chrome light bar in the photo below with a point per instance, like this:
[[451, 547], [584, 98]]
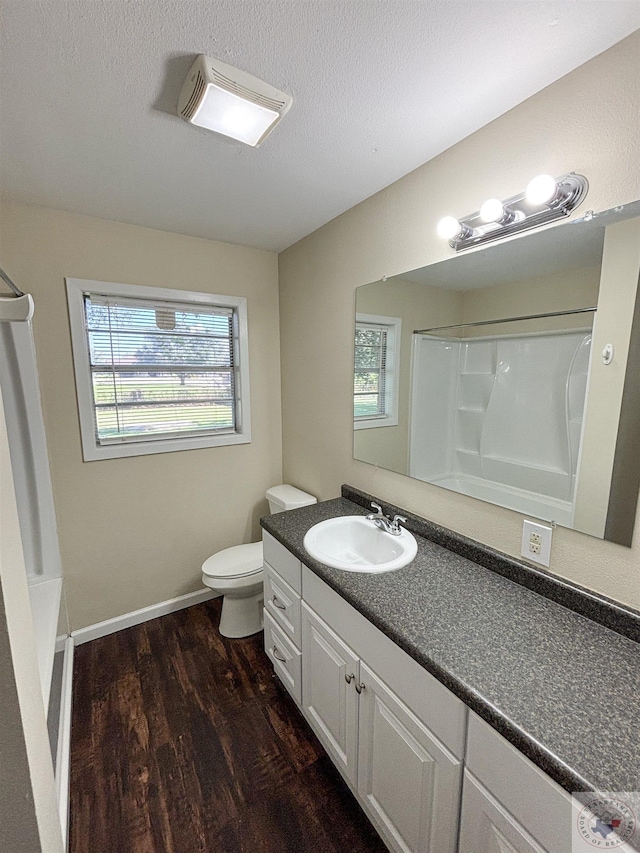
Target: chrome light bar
[[545, 200]]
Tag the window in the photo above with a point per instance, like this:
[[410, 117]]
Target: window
[[158, 370], [375, 381]]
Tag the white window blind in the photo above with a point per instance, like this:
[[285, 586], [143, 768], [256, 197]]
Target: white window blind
[[160, 369], [370, 374]]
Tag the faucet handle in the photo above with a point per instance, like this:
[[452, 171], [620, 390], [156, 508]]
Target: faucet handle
[[377, 507], [396, 521]]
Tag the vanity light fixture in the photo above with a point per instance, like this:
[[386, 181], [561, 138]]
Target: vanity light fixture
[[231, 102], [545, 200]]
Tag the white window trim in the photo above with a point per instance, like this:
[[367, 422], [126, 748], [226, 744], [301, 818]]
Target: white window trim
[[91, 451], [392, 375]]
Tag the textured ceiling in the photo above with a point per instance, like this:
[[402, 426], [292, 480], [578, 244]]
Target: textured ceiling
[[89, 91]]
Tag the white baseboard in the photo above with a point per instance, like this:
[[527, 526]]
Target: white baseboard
[[137, 617], [63, 753]]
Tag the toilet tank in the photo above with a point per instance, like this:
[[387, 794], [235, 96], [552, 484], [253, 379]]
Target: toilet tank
[[288, 497]]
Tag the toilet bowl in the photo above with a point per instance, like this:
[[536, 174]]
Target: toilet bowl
[[236, 572]]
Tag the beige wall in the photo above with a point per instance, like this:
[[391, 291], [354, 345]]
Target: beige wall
[[135, 531], [565, 291], [586, 122]]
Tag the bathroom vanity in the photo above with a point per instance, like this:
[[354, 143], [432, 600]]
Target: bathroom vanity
[[463, 697]]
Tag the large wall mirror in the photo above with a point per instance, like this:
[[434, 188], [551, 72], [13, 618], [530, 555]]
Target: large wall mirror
[[510, 374]]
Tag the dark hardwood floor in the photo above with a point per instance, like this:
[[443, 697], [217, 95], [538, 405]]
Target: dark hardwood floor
[[184, 742]]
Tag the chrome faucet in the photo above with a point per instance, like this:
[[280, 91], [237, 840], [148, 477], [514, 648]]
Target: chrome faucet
[[384, 523]]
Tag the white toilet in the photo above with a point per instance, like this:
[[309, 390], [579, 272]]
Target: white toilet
[[236, 573]]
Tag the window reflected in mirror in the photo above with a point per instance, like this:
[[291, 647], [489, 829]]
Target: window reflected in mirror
[[376, 361]]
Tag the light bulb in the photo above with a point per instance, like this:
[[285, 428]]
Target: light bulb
[[492, 210], [449, 227], [541, 189]]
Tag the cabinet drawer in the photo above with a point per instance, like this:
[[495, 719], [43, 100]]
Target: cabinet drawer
[[282, 561], [286, 659], [282, 603]]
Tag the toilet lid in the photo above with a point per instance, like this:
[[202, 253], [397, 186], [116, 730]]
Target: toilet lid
[[236, 562]]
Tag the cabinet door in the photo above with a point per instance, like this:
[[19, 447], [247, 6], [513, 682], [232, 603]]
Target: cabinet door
[[329, 675], [409, 781], [487, 827]]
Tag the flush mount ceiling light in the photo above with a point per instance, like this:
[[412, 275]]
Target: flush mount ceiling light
[[230, 102], [545, 200]]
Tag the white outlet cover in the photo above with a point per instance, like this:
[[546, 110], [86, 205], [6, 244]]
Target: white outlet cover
[[545, 532]]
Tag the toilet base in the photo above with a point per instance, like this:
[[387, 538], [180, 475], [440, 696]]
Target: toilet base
[[242, 617]]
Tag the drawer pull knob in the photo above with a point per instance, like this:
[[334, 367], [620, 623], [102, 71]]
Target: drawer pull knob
[[277, 603], [359, 687], [277, 655], [349, 678]]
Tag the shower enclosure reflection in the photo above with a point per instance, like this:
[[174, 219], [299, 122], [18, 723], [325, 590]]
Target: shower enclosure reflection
[[503, 394], [499, 417]]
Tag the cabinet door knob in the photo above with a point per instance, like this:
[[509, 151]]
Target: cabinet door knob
[[277, 603], [349, 678], [278, 656], [359, 687]]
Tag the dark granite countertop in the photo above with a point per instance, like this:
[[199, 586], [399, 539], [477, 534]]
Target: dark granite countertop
[[562, 688]]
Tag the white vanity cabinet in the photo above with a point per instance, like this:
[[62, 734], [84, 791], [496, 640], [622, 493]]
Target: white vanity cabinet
[[508, 804], [406, 778], [397, 735]]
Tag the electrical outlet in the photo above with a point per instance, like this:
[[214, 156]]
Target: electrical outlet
[[536, 542]]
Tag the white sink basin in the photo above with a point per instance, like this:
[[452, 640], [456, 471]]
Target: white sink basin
[[354, 544]]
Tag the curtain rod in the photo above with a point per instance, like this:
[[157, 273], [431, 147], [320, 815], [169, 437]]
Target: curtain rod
[[14, 287], [505, 320]]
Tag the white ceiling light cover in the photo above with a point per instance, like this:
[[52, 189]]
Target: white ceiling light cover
[[231, 102]]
